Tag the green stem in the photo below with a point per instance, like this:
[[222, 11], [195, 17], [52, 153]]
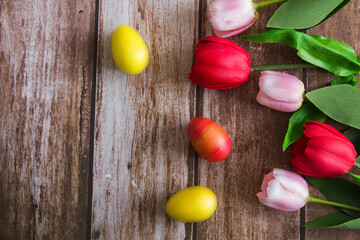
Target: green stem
[[357, 164], [317, 200], [281, 66], [266, 3]]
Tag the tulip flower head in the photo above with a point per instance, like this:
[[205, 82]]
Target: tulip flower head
[[219, 64], [323, 152], [283, 190], [230, 17], [280, 91]]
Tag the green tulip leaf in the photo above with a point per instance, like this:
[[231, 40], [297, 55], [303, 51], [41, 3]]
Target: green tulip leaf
[[330, 54], [355, 177], [345, 80], [339, 190], [295, 14], [335, 220], [339, 102], [353, 135], [297, 121], [357, 162]]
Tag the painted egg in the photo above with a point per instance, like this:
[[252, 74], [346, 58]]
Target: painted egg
[[193, 204], [129, 50], [209, 139]]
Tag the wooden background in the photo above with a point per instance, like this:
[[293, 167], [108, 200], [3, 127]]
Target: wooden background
[[88, 152]]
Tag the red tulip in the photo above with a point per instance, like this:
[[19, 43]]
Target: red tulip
[[210, 140], [323, 151], [219, 64]]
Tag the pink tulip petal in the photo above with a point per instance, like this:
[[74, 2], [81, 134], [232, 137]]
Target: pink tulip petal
[[261, 195], [281, 199], [265, 100], [226, 34], [229, 17], [292, 182], [267, 178], [281, 86]]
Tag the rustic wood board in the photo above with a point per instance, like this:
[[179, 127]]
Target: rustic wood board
[[343, 26], [46, 69], [257, 133], [142, 153]]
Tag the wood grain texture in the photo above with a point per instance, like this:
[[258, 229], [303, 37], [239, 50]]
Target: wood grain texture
[[46, 69], [257, 134], [343, 26], [142, 152]]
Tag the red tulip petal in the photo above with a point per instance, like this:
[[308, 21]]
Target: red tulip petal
[[329, 166], [334, 146], [223, 58], [330, 156], [219, 40], [301, 165], [217, 78], [316, 129], [300, 145]]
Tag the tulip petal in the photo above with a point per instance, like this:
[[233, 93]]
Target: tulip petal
[[281, 199], [317, 129], [217, 78], [265, 100], [226, 34], [330, 155], [261, 195], [281, 86], [292, 182], [334, 146], [229, 17], [267, 178], [302, 166], [219, 42], [300, 145], [223, 58]]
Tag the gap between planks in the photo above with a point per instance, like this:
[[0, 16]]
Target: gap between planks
[[92, 122]]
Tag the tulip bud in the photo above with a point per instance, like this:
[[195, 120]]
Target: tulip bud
[[283, 190], [230, 17], [219, 64], [280, 91], [323, 152], [209, 139]]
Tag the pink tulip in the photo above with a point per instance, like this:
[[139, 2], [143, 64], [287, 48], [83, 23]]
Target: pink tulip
[[280, 91], [230, 17], [284, 190]]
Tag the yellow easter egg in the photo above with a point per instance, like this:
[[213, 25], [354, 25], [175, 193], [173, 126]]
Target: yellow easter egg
[[129, 50], [193, 204]]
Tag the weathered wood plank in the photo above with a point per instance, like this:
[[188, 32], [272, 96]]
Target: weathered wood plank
[[257, 133], [46, 69], [343, 26], [142, 152]]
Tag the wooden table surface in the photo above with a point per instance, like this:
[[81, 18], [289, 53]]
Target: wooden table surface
[[88, 152]]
